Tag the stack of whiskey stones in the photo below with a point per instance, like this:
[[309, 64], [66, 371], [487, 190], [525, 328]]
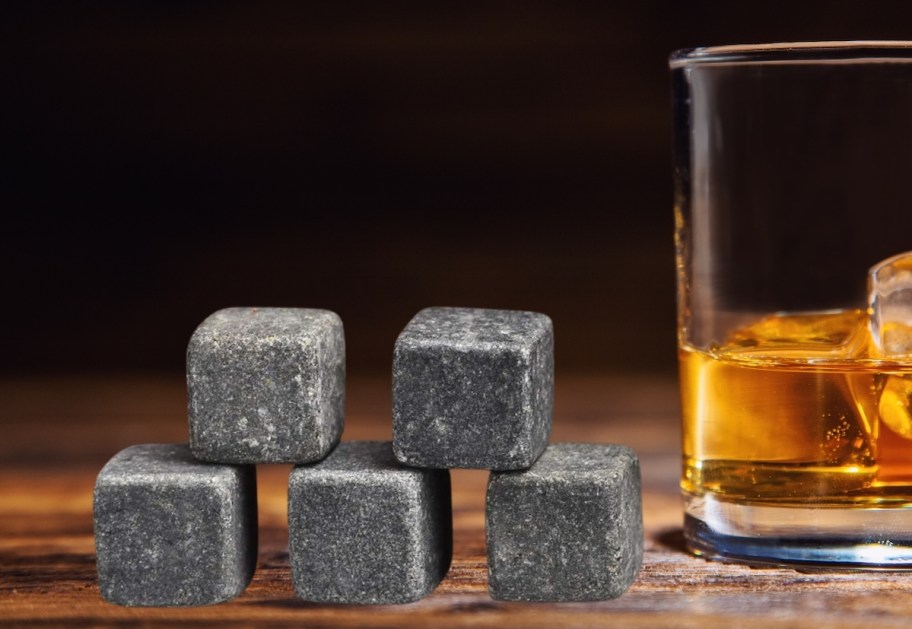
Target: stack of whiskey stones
[[369, 522]]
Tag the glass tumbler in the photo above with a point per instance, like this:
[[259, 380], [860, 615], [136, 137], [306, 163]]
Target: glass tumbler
[[793, 226]]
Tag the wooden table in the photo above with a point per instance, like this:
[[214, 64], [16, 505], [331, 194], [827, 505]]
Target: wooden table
[[57, 433]]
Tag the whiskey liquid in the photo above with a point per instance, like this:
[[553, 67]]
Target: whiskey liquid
[[798, 408]]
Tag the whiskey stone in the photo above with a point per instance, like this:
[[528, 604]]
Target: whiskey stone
[[364, 529], [266, 385], [170, 530], [473, 388], [568, 529]]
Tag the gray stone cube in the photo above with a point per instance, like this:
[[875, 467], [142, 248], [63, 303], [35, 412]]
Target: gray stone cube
[[568, 529], [473, 388], [170, 530], [266, 385], [364, 529]]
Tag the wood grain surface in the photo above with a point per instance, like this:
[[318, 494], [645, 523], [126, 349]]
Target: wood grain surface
[[57, 433]]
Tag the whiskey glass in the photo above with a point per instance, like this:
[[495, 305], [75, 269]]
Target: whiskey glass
[[793, 225]]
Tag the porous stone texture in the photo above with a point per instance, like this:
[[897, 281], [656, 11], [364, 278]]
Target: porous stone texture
[[364, 529], [266, 385], [568, 529], [473, 388], [170, 530]]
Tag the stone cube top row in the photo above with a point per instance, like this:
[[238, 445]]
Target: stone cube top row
[[266, 385], [472, 388]]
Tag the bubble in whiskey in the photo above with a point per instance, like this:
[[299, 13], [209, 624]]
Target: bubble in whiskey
[[841, 441], [895, 405]]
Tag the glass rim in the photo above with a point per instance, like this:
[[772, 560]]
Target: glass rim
[[809, 52]]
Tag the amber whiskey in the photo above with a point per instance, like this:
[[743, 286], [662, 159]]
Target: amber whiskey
[[798, 409]]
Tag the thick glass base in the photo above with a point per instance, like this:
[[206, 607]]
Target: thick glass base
[[825, 537]]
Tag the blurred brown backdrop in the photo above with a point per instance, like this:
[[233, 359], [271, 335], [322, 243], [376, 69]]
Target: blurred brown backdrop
[[162, 160]]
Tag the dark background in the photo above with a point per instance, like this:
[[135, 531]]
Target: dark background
[[163, 160]]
